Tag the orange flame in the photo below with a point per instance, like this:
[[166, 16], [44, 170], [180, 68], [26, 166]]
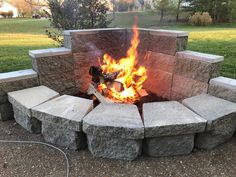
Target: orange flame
[[131, 76]]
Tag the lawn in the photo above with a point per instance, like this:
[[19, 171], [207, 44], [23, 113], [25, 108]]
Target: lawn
[[19, 36]]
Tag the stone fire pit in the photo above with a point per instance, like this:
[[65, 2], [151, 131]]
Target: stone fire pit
[[201, 111]]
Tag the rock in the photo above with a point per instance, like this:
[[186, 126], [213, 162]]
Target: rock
[[221, 119], [58, 135], [114, 131], [197, 66], [65, 111], [31, 124], [184, 88], [169, 145], [62, 120], [170, 128], [224, 88], [114, 148], [24, 100], [13, 81]]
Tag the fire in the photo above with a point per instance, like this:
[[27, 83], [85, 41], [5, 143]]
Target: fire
[[130, 75]]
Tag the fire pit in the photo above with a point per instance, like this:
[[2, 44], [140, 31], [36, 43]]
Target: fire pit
[[116, 70]]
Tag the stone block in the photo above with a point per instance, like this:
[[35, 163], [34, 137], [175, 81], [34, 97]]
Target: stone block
[[178, 120], [31, 124], [167, 42], [184, 88], [53, 64], [65, 111], [114, 148], [24, 100], [58, 135], [98, 39], [170, 128], [169, 145], [6, 112], [63, 83], [159, 82], [197, 66], [13, 81], [221, 119], [49, 52], [224, 88], [114, 131]]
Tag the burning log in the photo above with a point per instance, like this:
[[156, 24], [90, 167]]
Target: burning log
[[98, 76], [118, 86], [93, 91]]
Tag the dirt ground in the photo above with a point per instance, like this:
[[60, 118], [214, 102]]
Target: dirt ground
[[40, 161]]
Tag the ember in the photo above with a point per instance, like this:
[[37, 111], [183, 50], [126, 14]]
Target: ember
[[121, 80]]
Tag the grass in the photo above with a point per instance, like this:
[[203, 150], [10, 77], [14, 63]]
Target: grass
[[18, 36]]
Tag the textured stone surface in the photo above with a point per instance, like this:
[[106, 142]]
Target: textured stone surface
[[169, 145], [184, 88], [6, 112], [144, 38], [198, 69], [170, 118], [17, 75], [114, 120], [66, 111], [114, 148], [49, 52], [26, 99], [13, 81], [159, 82], [53, 64], [167, 44], [60, 136], [63, 83], [31, 124], [223, 87], [221, 119], [98, 39]]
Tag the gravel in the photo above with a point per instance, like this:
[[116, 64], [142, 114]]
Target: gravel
[[41, 161]]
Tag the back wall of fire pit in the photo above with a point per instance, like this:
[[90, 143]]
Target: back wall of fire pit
[[172, 72]]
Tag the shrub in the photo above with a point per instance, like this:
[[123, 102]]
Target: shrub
[[8, 14], [123, 6], [200, 19]]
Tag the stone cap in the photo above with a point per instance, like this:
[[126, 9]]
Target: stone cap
[[114, 120], [65, 111], [224, 82], [49, 52], [170, 118], [91, 31], [200, 56], [26, 99], [17, 75], [211, 108]]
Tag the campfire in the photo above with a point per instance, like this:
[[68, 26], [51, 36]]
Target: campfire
[[119, 80]]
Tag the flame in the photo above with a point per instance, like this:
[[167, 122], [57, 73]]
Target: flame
[[131, 76]]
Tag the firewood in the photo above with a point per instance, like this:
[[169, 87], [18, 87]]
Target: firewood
[[142, 93], [115, 84], [93, 91]]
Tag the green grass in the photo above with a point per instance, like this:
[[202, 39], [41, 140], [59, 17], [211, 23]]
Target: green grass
[[18, 36]]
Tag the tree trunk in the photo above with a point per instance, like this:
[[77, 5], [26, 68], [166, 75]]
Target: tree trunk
[[178, 10], [162, 16]]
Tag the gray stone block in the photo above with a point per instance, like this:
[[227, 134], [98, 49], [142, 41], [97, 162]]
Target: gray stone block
[[66, 111], [197, 66], [184, 88], [224, 88], [114, 148], [221, 119], [114, 120], [169, 145], [178, 120], [58, 135], [6, 112], [31, 124], [49, 52]]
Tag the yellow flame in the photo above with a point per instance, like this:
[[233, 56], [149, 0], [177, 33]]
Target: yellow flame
[[131, 76]]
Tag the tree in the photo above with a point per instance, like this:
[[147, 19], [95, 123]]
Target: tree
[[142, 3], [23, 7], [163, 6], [76, 14], [179, 2]]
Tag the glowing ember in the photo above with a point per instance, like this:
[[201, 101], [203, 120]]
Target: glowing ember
[[130, 75]]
